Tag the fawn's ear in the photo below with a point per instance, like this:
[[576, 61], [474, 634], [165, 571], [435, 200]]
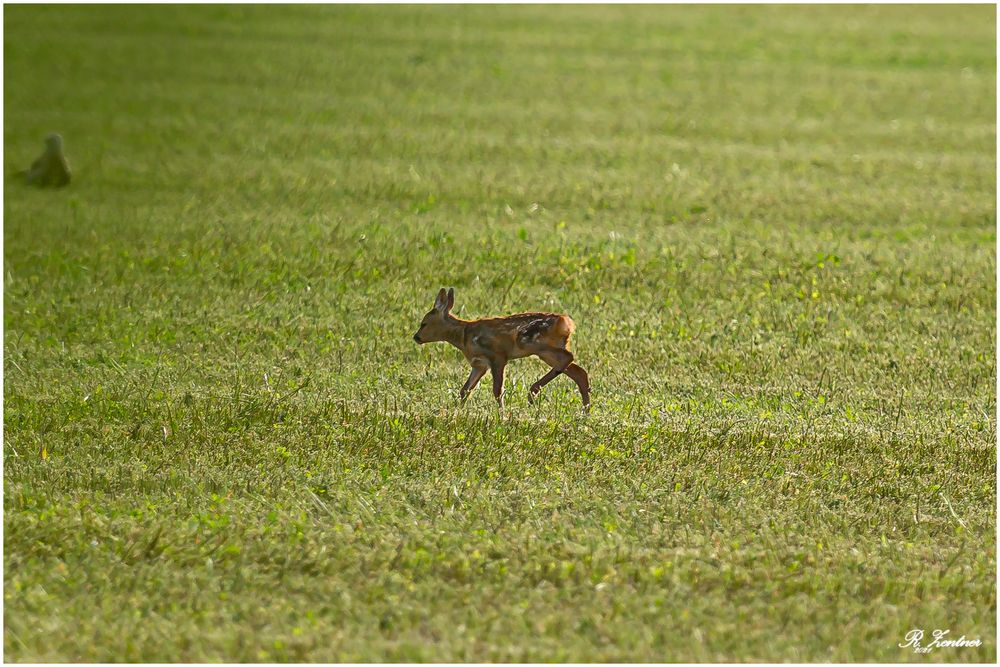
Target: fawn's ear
[[441, 302], [451, 300]]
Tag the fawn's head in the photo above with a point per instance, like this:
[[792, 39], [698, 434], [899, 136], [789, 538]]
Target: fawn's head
[[434, 326]]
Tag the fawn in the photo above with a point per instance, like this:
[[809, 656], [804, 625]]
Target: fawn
[[489, 344]]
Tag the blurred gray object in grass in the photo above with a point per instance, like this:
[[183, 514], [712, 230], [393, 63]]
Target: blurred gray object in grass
[[52, 168]]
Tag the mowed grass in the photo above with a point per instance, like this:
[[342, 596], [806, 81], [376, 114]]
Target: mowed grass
[[774, 227]]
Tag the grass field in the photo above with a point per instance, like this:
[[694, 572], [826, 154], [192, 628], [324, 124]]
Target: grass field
[[774, 227]]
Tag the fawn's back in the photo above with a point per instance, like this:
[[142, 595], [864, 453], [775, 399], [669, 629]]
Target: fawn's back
[[521, 335]]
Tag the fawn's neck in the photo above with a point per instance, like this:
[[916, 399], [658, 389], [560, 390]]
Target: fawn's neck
[[455, 331]]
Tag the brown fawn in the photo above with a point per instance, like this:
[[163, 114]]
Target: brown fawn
[[490, 343]]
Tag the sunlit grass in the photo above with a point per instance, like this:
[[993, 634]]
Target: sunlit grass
[[774, 228]]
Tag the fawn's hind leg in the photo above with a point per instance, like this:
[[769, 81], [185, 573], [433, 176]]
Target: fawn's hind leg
[[562, 362], [582, 381], [559, 360]]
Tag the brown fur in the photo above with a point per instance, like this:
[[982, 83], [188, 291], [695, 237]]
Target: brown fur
[[490, 343]]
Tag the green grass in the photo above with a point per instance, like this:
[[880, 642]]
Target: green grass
[[774, 227]]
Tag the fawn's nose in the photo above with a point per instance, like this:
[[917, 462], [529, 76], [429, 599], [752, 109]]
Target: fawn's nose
[[416, 337]]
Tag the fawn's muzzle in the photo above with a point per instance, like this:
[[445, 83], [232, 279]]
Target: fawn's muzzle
[[416, 337]]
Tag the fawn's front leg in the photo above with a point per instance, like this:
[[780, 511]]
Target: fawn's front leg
[[496, 369], [474, 377]]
